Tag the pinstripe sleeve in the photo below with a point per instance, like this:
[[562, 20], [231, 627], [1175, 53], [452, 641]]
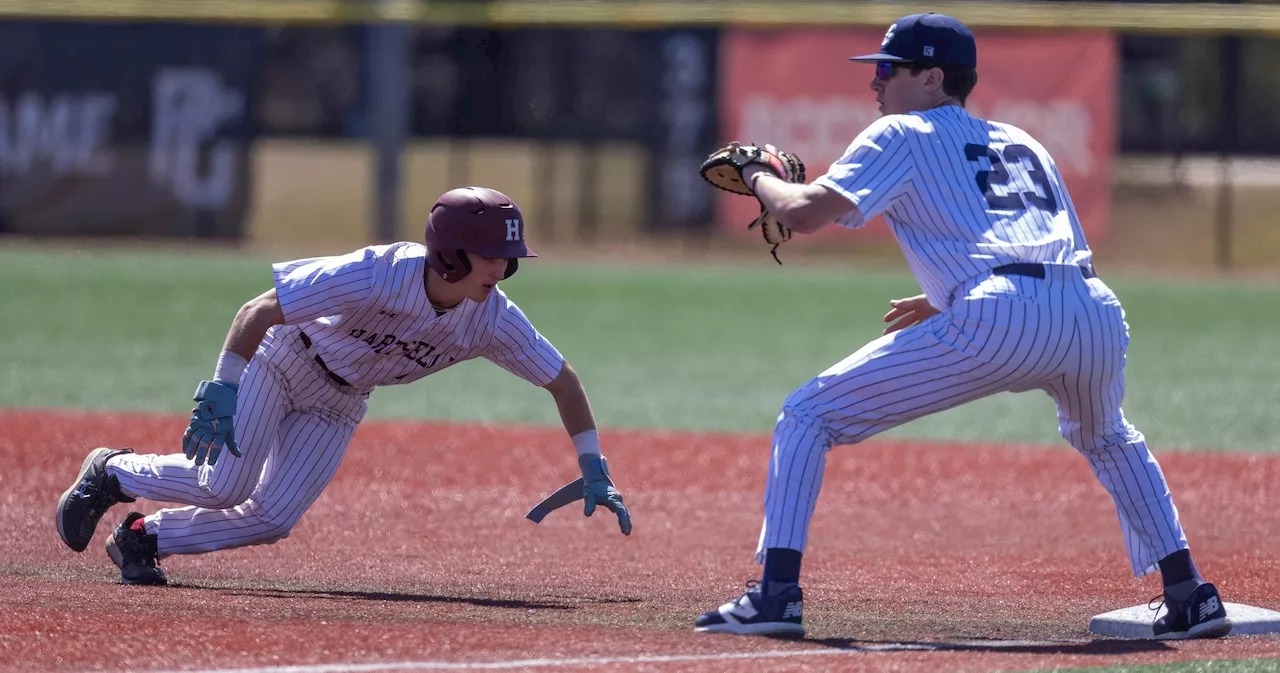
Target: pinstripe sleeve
[[518, 348], [324, 286], [872, 172]]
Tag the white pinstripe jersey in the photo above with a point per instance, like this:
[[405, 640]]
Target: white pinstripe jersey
[[369, 319], [962, 195]]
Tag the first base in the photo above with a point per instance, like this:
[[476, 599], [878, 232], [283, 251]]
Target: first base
[[1135, 622]]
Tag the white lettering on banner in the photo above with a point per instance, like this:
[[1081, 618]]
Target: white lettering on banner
[[190, 105], [1064, 127], [69, 132], [815, 129]]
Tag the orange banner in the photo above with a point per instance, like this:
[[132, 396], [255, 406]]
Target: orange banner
[[797, 89]]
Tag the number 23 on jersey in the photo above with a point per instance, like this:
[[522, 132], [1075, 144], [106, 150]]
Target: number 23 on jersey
[[1007, 197]]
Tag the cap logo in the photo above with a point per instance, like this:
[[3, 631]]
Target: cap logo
[[928, 51], [888, 35], [513, 229]]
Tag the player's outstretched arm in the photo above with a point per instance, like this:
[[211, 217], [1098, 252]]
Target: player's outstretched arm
[[580, 423], [212, 421], [803, 208]]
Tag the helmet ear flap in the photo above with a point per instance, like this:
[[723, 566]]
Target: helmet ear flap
[[444, 262], [450, 268], [512, 265]]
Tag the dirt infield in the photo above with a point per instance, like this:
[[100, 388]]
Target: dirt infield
[[924, 557]]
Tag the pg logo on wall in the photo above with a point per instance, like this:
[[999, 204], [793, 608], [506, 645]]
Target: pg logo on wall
[[190, 107]]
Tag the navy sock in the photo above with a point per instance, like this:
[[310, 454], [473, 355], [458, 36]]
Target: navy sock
[[1177, 568], [781, 565]]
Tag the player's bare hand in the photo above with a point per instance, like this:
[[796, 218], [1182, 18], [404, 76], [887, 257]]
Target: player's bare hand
[[907, 312], [599, 490]]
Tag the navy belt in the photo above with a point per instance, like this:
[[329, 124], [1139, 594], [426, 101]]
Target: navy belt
[[1034, 270], [306, 341]]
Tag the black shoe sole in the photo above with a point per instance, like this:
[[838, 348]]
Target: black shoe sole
[[1214, 628]]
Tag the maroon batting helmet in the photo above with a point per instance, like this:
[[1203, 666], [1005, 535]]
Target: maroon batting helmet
[[477, 220]]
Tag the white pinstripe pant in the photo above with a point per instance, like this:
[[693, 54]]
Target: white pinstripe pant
[[1062, 334], [292, 424]]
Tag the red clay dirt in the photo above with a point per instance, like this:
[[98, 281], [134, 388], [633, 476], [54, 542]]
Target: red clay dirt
[[923, 557]]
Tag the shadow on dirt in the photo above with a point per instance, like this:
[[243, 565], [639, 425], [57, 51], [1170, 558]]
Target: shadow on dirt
[[567, 603]]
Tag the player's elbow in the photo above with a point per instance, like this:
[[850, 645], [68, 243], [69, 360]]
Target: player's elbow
[[566, 382], [264, 309]]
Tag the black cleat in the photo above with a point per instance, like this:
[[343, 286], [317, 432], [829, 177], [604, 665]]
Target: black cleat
[[1202, 616], [92, 494], [134, 552]]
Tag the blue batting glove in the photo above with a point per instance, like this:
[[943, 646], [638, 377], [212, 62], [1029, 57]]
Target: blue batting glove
[[211, 423], [599, 490]]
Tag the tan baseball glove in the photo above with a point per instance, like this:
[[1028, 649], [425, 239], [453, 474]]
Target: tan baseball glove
[[724, 167]]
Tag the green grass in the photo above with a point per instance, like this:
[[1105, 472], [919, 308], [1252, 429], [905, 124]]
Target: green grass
[[678, 347], [1223, 666]]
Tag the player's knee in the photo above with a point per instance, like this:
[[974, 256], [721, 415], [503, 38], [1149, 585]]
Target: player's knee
[[800, 401], [799, 421], [1100, 437], [277, 522], [275, 535], [797, 415]]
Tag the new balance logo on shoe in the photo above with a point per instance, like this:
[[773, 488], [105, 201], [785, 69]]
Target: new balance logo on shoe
[[1209, 607], [792, 610]]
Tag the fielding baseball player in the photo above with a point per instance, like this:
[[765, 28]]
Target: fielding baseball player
[[1011, 303], [297, 368]]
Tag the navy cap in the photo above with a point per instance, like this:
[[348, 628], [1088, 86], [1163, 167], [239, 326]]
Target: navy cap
[[932, 38]]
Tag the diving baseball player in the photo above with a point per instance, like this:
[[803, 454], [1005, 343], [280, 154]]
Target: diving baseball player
[[297, 368], [1011, 303]]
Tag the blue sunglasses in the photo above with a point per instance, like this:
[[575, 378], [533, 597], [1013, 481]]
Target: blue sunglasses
[[886, 69]]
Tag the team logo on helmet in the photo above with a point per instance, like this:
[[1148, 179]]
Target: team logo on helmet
[[888, 35]]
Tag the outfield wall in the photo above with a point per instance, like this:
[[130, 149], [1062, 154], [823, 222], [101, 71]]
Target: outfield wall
[[230, 119]]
